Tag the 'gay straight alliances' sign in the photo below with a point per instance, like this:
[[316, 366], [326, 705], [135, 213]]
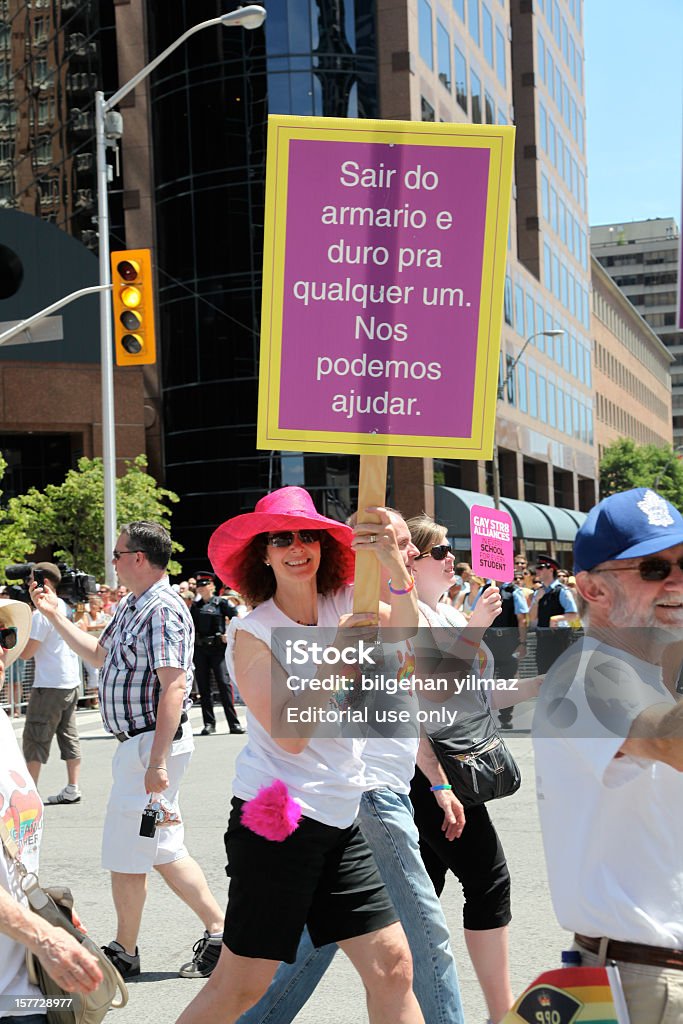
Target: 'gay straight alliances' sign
[[384, 274]]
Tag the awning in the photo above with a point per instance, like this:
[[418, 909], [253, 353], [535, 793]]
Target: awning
[[452, 508], [563, 521], [530, 520]]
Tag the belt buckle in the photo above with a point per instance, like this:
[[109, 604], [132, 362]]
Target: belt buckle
[[122, 736]]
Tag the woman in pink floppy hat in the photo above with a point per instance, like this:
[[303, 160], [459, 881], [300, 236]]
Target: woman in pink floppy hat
[[296, 857]]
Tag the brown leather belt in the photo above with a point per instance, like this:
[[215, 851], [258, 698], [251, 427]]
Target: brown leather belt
[[634, 953]]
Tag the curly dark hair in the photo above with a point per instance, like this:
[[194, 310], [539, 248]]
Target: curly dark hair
[[256, 581]]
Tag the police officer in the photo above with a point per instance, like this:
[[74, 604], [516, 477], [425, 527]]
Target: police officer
[[211, 615], [553, 608], [506, 639]]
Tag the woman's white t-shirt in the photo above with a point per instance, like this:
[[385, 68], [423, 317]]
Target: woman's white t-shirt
[[21, 809], [327, 778]]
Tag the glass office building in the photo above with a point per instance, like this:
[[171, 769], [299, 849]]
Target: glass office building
[[209, 106]]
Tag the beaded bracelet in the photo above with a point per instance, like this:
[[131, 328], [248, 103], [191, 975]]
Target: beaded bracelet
[[444, 785], [407, 589]]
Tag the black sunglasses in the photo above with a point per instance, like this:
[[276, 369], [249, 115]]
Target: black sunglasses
[[544, 565], [652, 570], [286, 538], [438, 552], [8, 638]]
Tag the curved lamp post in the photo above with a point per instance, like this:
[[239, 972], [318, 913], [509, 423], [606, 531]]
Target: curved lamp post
[[499, 395], [108, 129]]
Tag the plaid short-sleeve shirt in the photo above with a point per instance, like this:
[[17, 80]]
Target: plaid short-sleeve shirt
[[148, 632]]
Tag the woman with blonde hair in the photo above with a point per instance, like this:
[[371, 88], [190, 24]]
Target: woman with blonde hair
[[475, 855]]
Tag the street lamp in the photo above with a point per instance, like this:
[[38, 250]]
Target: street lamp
[[499, 395], [108, 130]]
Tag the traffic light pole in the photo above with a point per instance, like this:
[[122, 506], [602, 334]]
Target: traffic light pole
[[106, 344], [249, 17]]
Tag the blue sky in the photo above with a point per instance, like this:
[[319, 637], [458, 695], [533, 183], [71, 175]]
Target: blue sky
[[634, 99]]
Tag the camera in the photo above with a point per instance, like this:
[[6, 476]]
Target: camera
[[75, 586]]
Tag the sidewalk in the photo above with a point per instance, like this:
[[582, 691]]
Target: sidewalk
[[71, 856]]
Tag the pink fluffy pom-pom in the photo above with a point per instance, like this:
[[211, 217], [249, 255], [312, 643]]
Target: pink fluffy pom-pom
[[272, 813]]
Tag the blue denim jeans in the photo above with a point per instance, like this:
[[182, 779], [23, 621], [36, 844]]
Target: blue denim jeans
[[387, 822]]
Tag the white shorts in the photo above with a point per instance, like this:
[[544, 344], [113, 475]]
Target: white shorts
[[123, 848]]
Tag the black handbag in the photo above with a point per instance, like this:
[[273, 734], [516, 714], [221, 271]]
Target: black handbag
[[476, 760]]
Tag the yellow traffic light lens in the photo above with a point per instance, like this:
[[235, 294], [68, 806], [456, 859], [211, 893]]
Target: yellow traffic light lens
[[131, 297], [131, 321], [132, 343], [128, 269]]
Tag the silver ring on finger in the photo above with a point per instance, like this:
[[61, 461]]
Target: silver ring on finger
[[373, 538]]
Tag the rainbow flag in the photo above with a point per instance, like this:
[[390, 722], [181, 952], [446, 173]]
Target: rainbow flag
[[571, 995]]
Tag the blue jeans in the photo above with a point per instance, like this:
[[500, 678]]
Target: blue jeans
[[387, 823]]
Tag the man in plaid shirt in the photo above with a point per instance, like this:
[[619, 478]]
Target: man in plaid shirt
[[145, 657]]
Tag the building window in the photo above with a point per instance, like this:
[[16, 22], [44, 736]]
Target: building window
[[487, 33], [508, 300], [427, 110], [473, 19], [533, 397], [552, 417], [543, 127], [490, 108], [541, 57], [460, 78], [426, 34], [530, 329], [459, 8], [501, 58], [509, 373], [475, 89], [522, 387], [542, 399], [443, 54], [547, 267], [519, 310]]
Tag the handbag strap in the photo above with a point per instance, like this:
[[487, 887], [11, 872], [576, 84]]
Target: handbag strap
[[10, 846]]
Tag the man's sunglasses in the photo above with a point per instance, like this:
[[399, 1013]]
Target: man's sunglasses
[[286, 538], [652, 570], [119, 554], [544, 565], [438, 552], [8, 638]]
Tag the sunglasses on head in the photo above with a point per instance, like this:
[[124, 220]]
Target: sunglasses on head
[[438, 552], [652, 570], [286, 538], [8, 638]]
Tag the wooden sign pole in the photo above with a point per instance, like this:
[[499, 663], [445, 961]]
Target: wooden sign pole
[[372, 490]]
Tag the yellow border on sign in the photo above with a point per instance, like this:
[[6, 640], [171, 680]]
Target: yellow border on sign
[[499, 140]]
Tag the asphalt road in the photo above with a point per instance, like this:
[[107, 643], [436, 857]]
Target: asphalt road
[[71, 856]]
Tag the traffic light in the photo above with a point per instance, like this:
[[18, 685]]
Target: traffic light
[[133, 298]]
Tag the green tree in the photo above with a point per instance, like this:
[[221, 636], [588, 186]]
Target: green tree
[[625, 464], [16, 541], [68, 518]]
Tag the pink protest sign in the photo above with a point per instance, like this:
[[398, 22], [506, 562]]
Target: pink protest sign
[[493, 555], [384, 269]]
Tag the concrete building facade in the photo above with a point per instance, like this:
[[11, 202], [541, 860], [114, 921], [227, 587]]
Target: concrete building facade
[[641, 257], [631, 370]]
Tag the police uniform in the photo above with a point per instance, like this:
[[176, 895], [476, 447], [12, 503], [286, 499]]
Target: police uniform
[[210, 623], [551, 643]]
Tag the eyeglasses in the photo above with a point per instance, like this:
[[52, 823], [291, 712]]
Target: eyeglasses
[[544, 565], [131, 551], [438, 552], [8, 638], [652, 570], [286, 538]]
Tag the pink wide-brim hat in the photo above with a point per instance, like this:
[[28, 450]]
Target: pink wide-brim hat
[[289, 508]]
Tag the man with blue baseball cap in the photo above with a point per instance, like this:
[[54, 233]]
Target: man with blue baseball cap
[[609, 754]]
